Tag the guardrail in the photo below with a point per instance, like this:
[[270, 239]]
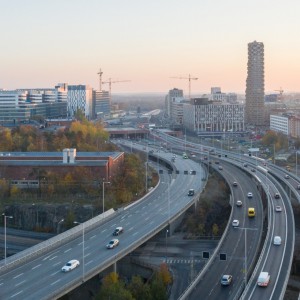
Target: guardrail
[[53, 242]]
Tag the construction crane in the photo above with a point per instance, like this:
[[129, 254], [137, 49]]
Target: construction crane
[[280, 93], [110, 81], [189, 78], [100, 79]]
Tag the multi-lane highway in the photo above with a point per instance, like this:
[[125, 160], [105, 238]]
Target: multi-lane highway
[[40, 276]]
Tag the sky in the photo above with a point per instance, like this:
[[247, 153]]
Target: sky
[[145, 43]]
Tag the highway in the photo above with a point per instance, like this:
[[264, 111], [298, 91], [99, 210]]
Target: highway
[[41, 278]]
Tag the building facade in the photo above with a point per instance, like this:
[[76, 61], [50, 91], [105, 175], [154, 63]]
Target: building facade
[[255, 85], [203, 115], [174, 95], [294, 126], [80, 97], [279, 124], [101, 102]]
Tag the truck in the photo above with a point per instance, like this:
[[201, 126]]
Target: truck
[[263, 279]]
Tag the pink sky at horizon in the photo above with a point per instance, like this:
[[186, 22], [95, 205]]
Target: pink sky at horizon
[[45, 43]]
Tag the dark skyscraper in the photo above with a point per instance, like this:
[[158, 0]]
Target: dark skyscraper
[[255, 85]]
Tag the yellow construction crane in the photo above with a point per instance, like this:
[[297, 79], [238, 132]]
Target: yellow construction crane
[[189, 78], [280, 93]]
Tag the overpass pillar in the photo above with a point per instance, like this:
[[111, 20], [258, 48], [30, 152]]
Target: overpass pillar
[[115, 267]]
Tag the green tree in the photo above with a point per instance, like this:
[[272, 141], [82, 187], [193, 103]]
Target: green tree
[[138, 289], [157, 288], [215, 229]]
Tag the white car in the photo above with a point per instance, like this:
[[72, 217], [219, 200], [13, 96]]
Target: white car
[[70, 265], [112, 244], [249, 195], [277, 240], [278, 208], [235, 223], [286, 176], [239, 203]]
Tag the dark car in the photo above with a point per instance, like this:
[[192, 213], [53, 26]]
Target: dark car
[[118, 231]]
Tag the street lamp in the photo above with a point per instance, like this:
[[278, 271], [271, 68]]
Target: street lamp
[[167, 231], [62, 220], [77, 223], [5, 217], [245, 228], [103, 192]]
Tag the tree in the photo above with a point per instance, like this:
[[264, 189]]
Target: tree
[[157, 288], [113, 289], [215, 229], [165, 274], [139, 289]]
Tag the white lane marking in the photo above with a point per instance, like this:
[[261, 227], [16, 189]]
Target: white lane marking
[[103, 230], [50, 255], [1, 283], [36, 266], [113, 226], [18, 275], [151, 223], [127, 223], [129, 216], [130, 228], [55, 282], [14, 295], [20, 283], [87, 247], [58, 263], [147, 218], [89, 262], [86, 255], [135, 233], [67, 250], [53, 257], [46, 257], [92, 237], [54, 273]]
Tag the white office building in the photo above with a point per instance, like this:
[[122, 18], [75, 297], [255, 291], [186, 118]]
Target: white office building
[[203, 115], [279, 124], [80, 97]]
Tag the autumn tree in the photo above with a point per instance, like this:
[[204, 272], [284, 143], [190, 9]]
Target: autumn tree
[[139, 289]]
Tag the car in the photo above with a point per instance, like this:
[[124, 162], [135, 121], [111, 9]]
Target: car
[[277, 240], [235, 223], [298, 187], [191, 192], [118, 230], [234, 183], [217, 162], [70, 265], [263, 279], [277, 196], [278, 208], [220, 168], [245, 165], [226, 279], [112, 244], [192, 172], [239, 203], [286, 176], [252, 170], [249, 195], [251, 212]]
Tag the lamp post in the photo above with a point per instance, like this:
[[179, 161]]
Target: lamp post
[[167, 231], [58, 227], [77, 223], [245, 228], [103, 192], [5, 217]]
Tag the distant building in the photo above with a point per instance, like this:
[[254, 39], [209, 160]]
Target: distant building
[[279, 124], [22, 166], [174, 95], [294, 126], [255, 85], [80, 97], [101, 103], [271, 98], [203, 115]]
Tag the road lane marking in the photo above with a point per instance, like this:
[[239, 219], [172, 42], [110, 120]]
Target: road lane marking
[[54, 273], [14, 295], [53, 257], [36, 266], [55, 282], [58, 263], [103, 230], [135, 233], [130, 228], [113, 226], [1, 283], [86, 255], [147, 218], [92, 237], [18, 275], [67, 250], [20, 283], [89, 262]]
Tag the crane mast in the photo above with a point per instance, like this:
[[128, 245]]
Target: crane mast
[[190, 78]]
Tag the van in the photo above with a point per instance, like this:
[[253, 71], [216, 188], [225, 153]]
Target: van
[[251, 212], [263, 279]]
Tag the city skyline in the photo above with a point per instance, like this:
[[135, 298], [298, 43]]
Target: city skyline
[[147, 43]]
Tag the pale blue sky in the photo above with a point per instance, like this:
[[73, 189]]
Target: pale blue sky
[[44, 42]]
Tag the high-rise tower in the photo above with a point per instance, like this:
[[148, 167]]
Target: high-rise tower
[[255, 85]]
